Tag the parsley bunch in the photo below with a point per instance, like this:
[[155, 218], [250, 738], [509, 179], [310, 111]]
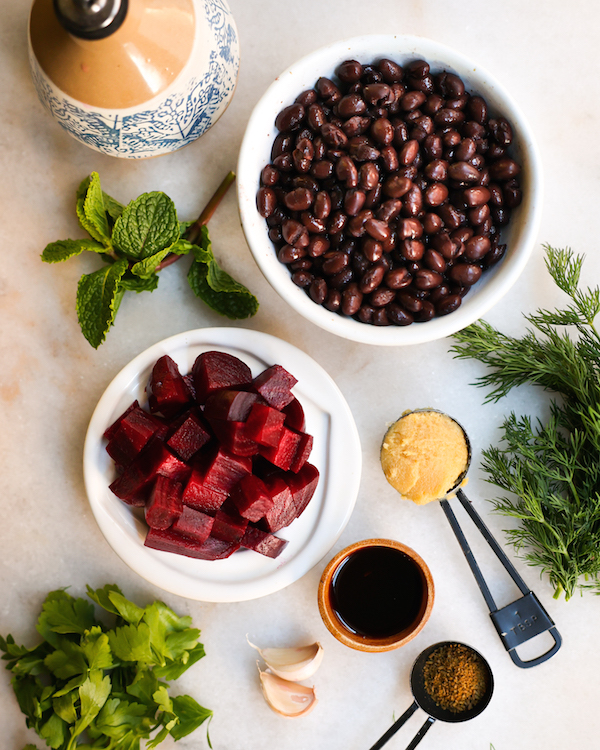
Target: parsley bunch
[[136, 242], [551, 471], [88, 686]]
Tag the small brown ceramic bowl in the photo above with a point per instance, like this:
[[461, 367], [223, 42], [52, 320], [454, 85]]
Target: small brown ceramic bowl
[[376, 595]]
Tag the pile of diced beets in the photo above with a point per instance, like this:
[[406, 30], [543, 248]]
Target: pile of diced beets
[[219, 461]]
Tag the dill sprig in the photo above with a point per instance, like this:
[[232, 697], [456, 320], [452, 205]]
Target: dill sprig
[[551, 471]]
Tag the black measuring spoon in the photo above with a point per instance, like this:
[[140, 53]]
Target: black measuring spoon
[[423, 700], [523, 618]]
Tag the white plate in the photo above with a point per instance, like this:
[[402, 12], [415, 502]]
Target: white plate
[[246, 574]]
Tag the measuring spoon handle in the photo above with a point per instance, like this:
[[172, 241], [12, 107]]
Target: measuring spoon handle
[[421, 733], [395, 726]]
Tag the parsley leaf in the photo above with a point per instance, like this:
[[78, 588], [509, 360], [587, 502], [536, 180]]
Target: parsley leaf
[[105, 683]]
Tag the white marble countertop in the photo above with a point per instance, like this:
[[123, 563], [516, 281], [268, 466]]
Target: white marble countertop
[[545, 53]]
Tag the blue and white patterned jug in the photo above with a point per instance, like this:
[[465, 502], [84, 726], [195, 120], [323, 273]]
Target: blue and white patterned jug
[[141, 78]]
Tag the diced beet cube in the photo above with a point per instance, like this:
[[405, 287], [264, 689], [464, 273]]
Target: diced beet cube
[[294, 415], [252, 498], [189, 436], [225, 470], [232, 436], [189, 381], [302, 452], [230, 404], [303, 486], [261, 541], [284, 453], [194, 524], [133, 433], [215, 370], [229, 525], [167, 390], [274, 384], [154, 459], [283, 511], [170, 541], [164, 504], [140, 498], [199, 496], [265, 425], [110, 431]]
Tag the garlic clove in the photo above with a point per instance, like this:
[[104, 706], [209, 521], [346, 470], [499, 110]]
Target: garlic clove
[[287, 698], [296, 663]]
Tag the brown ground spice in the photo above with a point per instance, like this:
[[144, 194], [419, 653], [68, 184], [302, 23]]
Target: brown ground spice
[[455, 677]]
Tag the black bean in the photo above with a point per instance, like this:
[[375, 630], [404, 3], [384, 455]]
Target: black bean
[[290, 117], [349, 71], [398, 316], [387, 190], [465, 274], [352, 298]]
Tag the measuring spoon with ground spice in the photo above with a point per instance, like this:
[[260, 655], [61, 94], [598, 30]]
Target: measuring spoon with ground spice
[[451, 682]]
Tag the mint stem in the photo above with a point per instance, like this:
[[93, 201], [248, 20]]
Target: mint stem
[[193, 232]]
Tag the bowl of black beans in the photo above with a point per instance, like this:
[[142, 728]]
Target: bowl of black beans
[[389, 189]]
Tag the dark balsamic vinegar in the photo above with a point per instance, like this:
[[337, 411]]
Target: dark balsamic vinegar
[[377, 591]]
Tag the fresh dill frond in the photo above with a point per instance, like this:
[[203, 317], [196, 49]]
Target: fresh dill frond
[[551, 472]]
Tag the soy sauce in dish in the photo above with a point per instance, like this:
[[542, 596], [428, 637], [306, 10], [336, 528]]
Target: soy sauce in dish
[[377, 592]]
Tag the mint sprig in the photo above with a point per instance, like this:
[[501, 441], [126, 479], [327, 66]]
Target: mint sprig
[[136, 242], [109, 683]]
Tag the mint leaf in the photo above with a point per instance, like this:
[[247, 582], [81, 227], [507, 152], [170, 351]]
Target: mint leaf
[[113, 208], [147, 267], [91, 211], [130, 283], [61, 250], [184, 226], [181, 247], [235, 303], [216, 287], [146, 226], [79, 210], [98, 297]]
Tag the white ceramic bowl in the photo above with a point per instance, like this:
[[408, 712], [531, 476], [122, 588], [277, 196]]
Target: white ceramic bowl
[[245, 575], [520, 235]]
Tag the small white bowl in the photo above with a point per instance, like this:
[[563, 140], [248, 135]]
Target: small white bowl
[[242, 576], [519, 236]]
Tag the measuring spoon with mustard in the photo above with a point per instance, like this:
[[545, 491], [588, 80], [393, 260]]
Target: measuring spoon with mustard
[[425, 456]]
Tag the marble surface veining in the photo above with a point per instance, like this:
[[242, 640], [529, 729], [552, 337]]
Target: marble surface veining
[[546, 54]]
